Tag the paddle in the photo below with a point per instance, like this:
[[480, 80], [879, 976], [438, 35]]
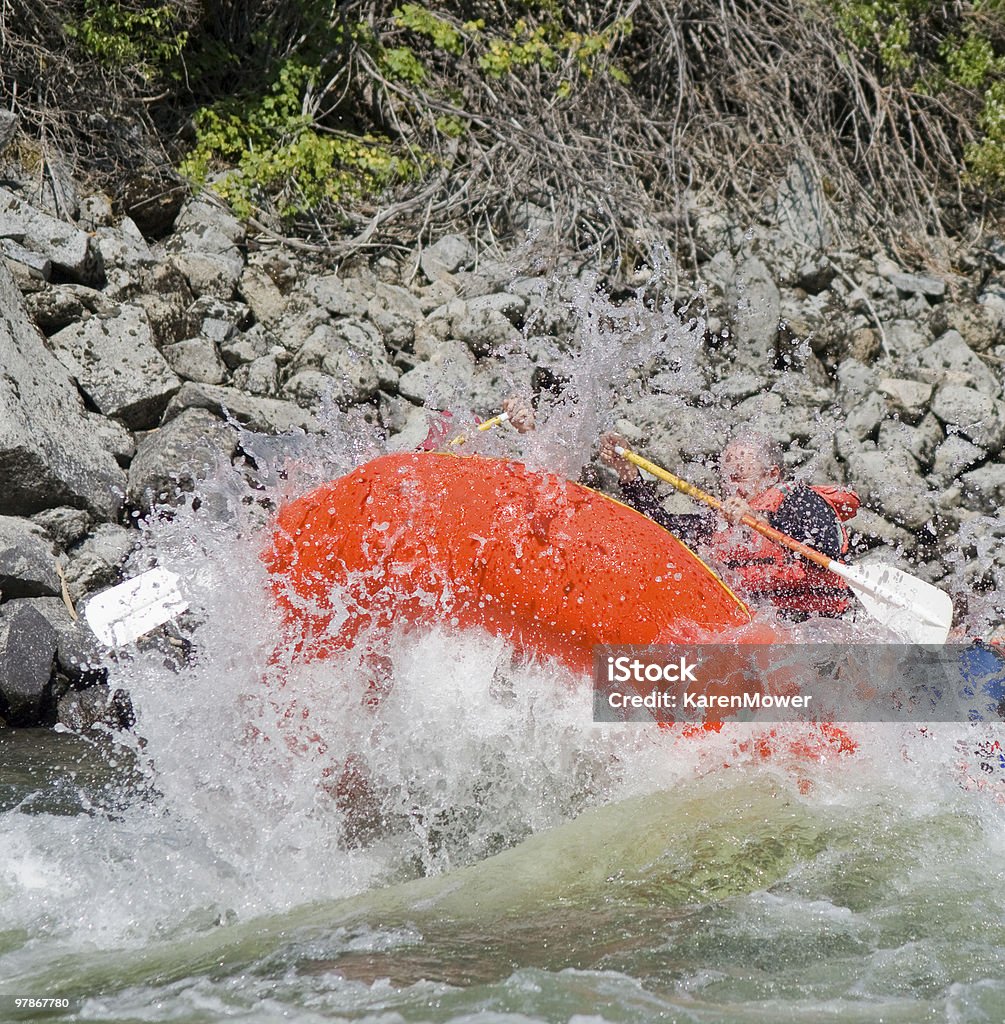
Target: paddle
[[911, 607], [125, 612]]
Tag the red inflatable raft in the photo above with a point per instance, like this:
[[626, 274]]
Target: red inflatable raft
[[553, 566]]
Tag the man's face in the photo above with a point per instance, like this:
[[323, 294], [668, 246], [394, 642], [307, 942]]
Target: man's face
[[743, 472]]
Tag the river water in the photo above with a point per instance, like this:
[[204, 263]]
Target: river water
[[472, 846]]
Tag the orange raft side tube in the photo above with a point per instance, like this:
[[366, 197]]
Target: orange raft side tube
[[554, 567]]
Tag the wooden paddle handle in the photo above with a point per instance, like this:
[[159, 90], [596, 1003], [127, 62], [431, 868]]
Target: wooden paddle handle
[[759, 525]]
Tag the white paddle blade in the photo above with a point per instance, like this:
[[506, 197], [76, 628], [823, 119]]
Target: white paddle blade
[[124, 613], [918, 611]]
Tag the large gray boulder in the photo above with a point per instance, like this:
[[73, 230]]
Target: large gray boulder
[[171, 461], [48, 454], [447, 378], [27, 652], [27, 561], [196, 359], [117, 365], [71, 250], [395, 311]]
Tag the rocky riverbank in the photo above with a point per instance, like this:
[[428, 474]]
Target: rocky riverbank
[[129, 367]]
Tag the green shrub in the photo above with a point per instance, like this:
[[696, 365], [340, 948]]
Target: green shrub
[[276, 152], [147, 40]]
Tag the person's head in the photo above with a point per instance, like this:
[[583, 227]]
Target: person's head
[[749, 464]]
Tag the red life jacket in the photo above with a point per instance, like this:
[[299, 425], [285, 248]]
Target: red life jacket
[[765, 569]]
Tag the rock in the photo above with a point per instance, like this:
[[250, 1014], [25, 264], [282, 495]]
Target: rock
[[299, 322], [439, 382], [64, 526], [27, 561], [951, 361], [352, 352], [755, 306], [864, 345], [871, 525], [259, 377], [486, 330], [246, 347], [113, 437], [740, 385], [165, 295], [116, 364], [446, 256], [909, 398], [976, 324], [341, 297], [27, 653], [208, 273], [906, 337], [412, 431], [61, 305], [196, 359], [395, 311], [266, 415], [173, 460], [891, 481], [974, 415], [71, 250], [32, 265], [218, 319], [280, 267], [992, 298], [866, 415], [95, 212], [855, 381], [984, 488], [97, 707], [262, 295], [78, 653], [124, 247], [955, 455], [98, 561], [921, 440], [206, 225], [48, 454], [801, 208], [311, 389], [918, 284], [437, 294]]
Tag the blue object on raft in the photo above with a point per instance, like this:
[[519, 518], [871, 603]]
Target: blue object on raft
[[983, 669]]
